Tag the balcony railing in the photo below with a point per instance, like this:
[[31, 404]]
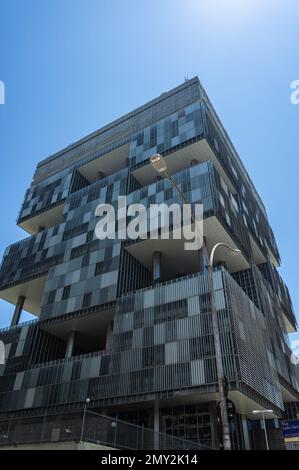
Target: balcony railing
[[20, 325]]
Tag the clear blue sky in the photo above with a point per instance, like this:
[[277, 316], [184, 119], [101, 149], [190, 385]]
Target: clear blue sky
[[71, 66]]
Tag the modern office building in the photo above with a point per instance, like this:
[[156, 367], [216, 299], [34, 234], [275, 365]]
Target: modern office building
[[127, 323]]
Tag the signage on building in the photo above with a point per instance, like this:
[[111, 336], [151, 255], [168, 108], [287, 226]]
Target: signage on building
[[290, 429]]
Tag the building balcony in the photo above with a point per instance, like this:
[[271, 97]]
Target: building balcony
[[223, 222], [106, 164], [276, 282], [26, 264], [209, 142], [24, 270], [44, 202]]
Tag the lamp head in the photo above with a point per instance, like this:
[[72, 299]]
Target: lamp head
[[158, 163], [261, 411], [236, 252]]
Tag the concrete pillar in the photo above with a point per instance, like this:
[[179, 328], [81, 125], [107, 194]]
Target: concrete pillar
[[18, 310], [156, 424], [213, 421], [201, 261], [205, 253], [245, 432], [70, 344], [109, 334], [156, 266]]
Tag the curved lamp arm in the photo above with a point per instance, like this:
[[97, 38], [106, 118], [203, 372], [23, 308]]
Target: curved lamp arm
[[233, 250]]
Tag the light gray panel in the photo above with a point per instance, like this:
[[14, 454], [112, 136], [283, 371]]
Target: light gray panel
[[18, 381], [7, 347], [20, 348], [171, 353], [197, 372], [67, 371], [29, 398], [24, 332], [159, 334], [85, 369], [137, 338], [193, 306]]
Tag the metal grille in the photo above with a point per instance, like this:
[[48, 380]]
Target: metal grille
[[88, 427]]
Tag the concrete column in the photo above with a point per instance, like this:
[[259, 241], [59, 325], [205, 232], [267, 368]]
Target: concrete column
[[70, 344], [18, 310], [213, 421], [157, 266], [109, 334], [201, 261], [205, 254], [156, 424], [245, 432]]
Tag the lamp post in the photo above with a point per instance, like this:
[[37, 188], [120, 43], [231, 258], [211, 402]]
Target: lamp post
[[114, 426], [216, 333], [264, 412], [159, 164], [87, 401]]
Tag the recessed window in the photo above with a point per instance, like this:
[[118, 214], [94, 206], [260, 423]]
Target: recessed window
[[139, 139], [55, 230], [174, 129], [85, 260], [66, 292], [51, 296], [99, 268], [86, 300]]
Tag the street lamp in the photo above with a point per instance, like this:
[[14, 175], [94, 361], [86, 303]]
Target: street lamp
[[114, 426], [87, 401], [219, 364], [263, 412], [159, 164], [234, 251]]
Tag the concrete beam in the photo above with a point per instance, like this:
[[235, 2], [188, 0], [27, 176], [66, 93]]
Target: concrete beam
[[70, 344], [156, 266]]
